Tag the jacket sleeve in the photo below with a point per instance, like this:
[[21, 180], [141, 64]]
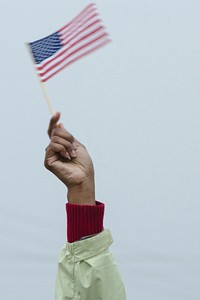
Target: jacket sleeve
[[88, 271]]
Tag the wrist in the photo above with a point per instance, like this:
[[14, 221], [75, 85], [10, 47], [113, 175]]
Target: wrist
[[82, 194]]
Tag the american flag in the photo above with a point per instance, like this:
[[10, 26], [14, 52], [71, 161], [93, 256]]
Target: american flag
[[83, 35]]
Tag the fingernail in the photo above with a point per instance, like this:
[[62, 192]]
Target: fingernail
[[73, 153]]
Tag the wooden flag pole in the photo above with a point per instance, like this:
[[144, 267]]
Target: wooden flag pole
[[42, 85], [46, 96]]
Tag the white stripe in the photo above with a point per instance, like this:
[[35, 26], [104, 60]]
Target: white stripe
[[71, 49], [66, 35], [79, 19], [76, 55], [76, 23], [93, 27], [79, 33]]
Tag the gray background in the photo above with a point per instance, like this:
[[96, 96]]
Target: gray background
[[135, 104]]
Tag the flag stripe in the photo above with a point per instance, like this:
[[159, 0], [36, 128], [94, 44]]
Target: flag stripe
[[84, 34], [79, 16], [75, 56], [73, 60], [66, 47], [73, 52], [62, 52], [64, 39], [64, 43], [78, 28], [76, 23]]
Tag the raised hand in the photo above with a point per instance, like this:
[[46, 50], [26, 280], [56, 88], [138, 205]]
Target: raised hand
[[69, 160]]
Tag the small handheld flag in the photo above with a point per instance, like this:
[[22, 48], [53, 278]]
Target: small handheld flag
[[83, 35]]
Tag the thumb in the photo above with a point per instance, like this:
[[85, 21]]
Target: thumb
[[53, 123]]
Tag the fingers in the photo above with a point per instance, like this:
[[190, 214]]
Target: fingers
[[60, 125], [58, 148], [53, 123], [66, 149], [63, 133], [62, 142]]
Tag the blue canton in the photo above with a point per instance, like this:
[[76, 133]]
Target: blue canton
[[46, 47]]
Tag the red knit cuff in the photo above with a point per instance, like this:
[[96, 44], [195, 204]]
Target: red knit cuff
[[84, 220]]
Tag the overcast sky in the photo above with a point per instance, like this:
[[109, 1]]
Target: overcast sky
[[135, 104]]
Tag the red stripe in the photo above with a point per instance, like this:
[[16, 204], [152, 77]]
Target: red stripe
[[66, 35], [44, 64], [78, 16], [84, 37], [79, 32], [75, 23], [72, 53], [73, 60], [74, 27], [64, 51]]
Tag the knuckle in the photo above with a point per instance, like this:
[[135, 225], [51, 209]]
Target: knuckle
[[54, 139], [68, 135], [71, 138], [69, 146], [46, 164], [61, 148], [54, 131]]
